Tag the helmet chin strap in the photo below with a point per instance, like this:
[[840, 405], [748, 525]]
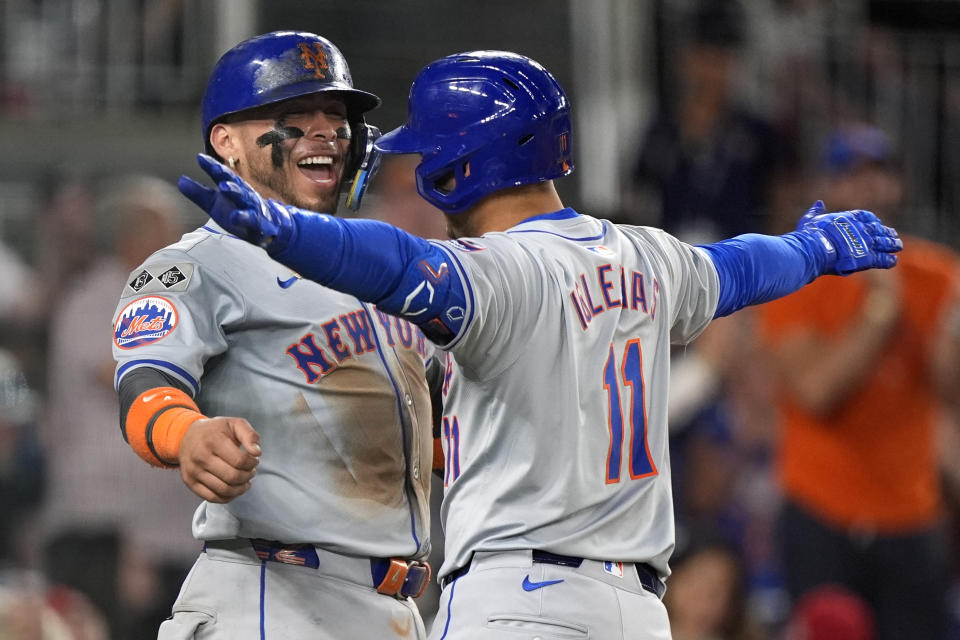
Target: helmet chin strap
[[367, 166]]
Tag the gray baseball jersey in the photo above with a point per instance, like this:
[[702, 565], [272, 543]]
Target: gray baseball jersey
[[335, 389], [555, 417]]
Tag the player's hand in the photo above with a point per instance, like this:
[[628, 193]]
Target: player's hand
[[236, 207], [219, 457], [854, 240]]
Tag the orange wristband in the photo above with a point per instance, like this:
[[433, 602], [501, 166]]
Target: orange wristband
[[156, 422]]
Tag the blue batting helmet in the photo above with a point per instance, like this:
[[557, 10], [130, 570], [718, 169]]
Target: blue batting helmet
[[277, 66], [281, 65], [489, 120]]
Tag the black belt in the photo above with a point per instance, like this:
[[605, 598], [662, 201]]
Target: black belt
[[395, 577], [649, 578]]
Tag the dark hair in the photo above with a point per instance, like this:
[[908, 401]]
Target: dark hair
[[735, 624]]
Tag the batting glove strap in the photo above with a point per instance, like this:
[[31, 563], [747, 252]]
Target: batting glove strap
[[851, 241]]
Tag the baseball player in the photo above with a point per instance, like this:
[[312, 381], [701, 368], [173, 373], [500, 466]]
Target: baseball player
[[557, 326], [299, 414]]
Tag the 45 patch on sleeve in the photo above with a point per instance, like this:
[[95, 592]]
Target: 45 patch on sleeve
[[158, 278]]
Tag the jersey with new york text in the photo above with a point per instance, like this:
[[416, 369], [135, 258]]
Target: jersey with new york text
[[335, 388], [555, 414]]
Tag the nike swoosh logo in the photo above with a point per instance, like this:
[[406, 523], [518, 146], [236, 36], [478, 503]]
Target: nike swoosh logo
[[285, 284], [533, 586]]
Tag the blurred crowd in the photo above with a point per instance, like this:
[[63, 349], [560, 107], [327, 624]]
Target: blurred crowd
[[815, 441], [90, 535], [813, 438]]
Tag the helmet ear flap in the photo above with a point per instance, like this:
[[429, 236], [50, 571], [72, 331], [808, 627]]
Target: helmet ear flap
[[444, 182], [363, 163]]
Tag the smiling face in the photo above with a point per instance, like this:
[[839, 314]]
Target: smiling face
[[293, 151]]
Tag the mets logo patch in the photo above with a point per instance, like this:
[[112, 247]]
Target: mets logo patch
[[144, 321], [314, 58]]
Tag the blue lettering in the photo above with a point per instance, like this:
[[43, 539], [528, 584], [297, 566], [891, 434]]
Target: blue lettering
[[308, 357], [421, 342], [586, 291], [359, 330], [447, 374], [639, 294], [404, 332], [385, 322], [576, 306], [332, 329], [606, 286], [656, 294]]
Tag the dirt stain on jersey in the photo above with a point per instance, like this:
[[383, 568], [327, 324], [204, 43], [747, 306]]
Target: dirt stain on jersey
[[364, 451], [402, 627]]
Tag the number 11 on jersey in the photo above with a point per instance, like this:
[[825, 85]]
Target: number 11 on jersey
[[631, 373]]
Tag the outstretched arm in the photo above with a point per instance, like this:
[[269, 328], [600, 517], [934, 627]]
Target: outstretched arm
[[407, 276], [756, 268], [400, 273]]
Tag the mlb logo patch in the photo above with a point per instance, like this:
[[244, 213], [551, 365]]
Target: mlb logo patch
[[144, 321], [614, 568], [601, 250], [466, 245]]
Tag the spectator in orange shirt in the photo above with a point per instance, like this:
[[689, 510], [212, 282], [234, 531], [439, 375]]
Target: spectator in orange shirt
[[863, 366]]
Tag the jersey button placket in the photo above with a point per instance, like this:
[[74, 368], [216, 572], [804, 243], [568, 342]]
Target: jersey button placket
[[408, 399]]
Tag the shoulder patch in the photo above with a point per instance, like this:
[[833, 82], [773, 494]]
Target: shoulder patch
[[159, 278], [144, 321]]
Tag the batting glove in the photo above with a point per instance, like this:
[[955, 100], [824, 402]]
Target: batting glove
[[236, 207], [853, 240]]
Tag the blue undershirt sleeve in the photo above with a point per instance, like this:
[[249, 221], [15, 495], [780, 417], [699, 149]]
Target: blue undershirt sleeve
[[755, 268], [378, 263]]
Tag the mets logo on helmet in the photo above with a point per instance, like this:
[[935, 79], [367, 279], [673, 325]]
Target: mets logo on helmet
[[314, 58], [143, 321]]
